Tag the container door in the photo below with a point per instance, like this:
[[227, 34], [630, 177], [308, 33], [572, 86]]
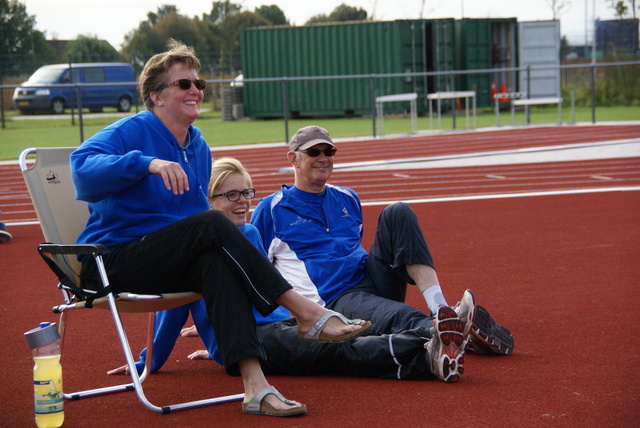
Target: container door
[[539, 46], [441, 53]]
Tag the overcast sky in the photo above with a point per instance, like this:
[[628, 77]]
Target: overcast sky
[[111, 20]]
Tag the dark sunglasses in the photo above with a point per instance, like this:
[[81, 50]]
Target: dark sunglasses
[[314, 153], [185, 84], [234, 195]]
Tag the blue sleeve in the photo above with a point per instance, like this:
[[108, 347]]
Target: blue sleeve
[[253, 235], [102, 165], [261, 219]]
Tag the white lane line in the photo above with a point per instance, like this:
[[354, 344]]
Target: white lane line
[[508, 195]]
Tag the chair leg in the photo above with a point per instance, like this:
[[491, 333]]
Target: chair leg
[[136, 379]]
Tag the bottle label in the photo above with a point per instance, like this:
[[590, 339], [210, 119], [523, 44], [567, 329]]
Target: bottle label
[[48, 396]]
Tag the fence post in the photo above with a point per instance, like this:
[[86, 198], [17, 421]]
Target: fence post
[[285, 109], [73, 119], [526, 108], [79, 103], [593, 93], [2, 99], [454, 104], [372, 94]]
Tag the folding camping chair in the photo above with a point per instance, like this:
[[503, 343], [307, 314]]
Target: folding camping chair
[[62, 218]]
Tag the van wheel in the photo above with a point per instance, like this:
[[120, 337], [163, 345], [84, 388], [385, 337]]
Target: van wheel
[[124, 104], [57, 106]]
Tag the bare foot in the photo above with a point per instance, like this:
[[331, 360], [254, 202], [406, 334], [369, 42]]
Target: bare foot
[[189, 332], [202, 354]]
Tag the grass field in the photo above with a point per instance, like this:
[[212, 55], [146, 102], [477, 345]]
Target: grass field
[[20, 133]]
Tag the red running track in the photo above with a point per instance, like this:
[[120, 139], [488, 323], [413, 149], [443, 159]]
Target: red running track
[[560, 270]]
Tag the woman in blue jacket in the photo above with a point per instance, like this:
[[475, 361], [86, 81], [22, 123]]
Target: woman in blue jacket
[[144, 178]]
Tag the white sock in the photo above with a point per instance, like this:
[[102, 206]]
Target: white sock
[[435, 299]]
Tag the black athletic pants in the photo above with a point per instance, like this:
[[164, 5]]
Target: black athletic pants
[[208, 254], [395, 347]]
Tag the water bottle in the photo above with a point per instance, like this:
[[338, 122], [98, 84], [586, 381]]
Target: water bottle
[[47, 375]]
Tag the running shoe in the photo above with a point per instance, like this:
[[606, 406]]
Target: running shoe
[[466, 311], [4, 236], [446, 347], [488, 337]]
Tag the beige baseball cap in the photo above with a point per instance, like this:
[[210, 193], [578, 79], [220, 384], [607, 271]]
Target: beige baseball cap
[[309, 136]]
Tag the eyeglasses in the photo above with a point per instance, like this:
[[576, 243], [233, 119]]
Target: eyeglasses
[[185, 84], [314, 153], [234, 195]]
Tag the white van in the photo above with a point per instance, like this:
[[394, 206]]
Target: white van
[[43, 91]]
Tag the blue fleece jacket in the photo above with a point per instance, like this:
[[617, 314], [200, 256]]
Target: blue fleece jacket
[[316, 247], [111, 171]]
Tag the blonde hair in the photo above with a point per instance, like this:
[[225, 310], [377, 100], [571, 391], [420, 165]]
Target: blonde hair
[[155, 70], [221, 169]]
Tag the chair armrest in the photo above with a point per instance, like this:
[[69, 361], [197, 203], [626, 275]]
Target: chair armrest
[[84, 249]]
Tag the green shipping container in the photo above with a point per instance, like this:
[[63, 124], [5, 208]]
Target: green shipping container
[[483, 44], [337, 49]]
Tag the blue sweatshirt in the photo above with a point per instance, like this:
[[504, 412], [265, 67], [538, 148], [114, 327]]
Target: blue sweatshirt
[[314, 240], [111, 171]]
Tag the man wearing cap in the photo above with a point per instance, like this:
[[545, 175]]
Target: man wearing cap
[[312, 232]]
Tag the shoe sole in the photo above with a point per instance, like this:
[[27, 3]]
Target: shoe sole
[[489, 337], [449, 364]]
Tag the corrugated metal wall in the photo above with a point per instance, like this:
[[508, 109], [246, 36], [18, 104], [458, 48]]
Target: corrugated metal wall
[[364, 48], [483, 44], [328, 50], [539, 46]]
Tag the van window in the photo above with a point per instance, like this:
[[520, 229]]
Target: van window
[[75, 73], [93, 75], [45, 75]]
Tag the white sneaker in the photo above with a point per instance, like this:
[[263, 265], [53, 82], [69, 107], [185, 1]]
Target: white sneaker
[[446, 347], [466, 311]]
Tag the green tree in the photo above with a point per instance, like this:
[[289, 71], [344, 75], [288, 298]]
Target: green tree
[[347, 13], [620, 8], [341, 13], [272, 13], [88, 48], [152, 35], [163, 11], [220, 10], [22, 48], [229, 31], [318, 19]]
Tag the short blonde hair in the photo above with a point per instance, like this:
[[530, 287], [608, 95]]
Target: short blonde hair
[[155, 70], [221, 169]]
